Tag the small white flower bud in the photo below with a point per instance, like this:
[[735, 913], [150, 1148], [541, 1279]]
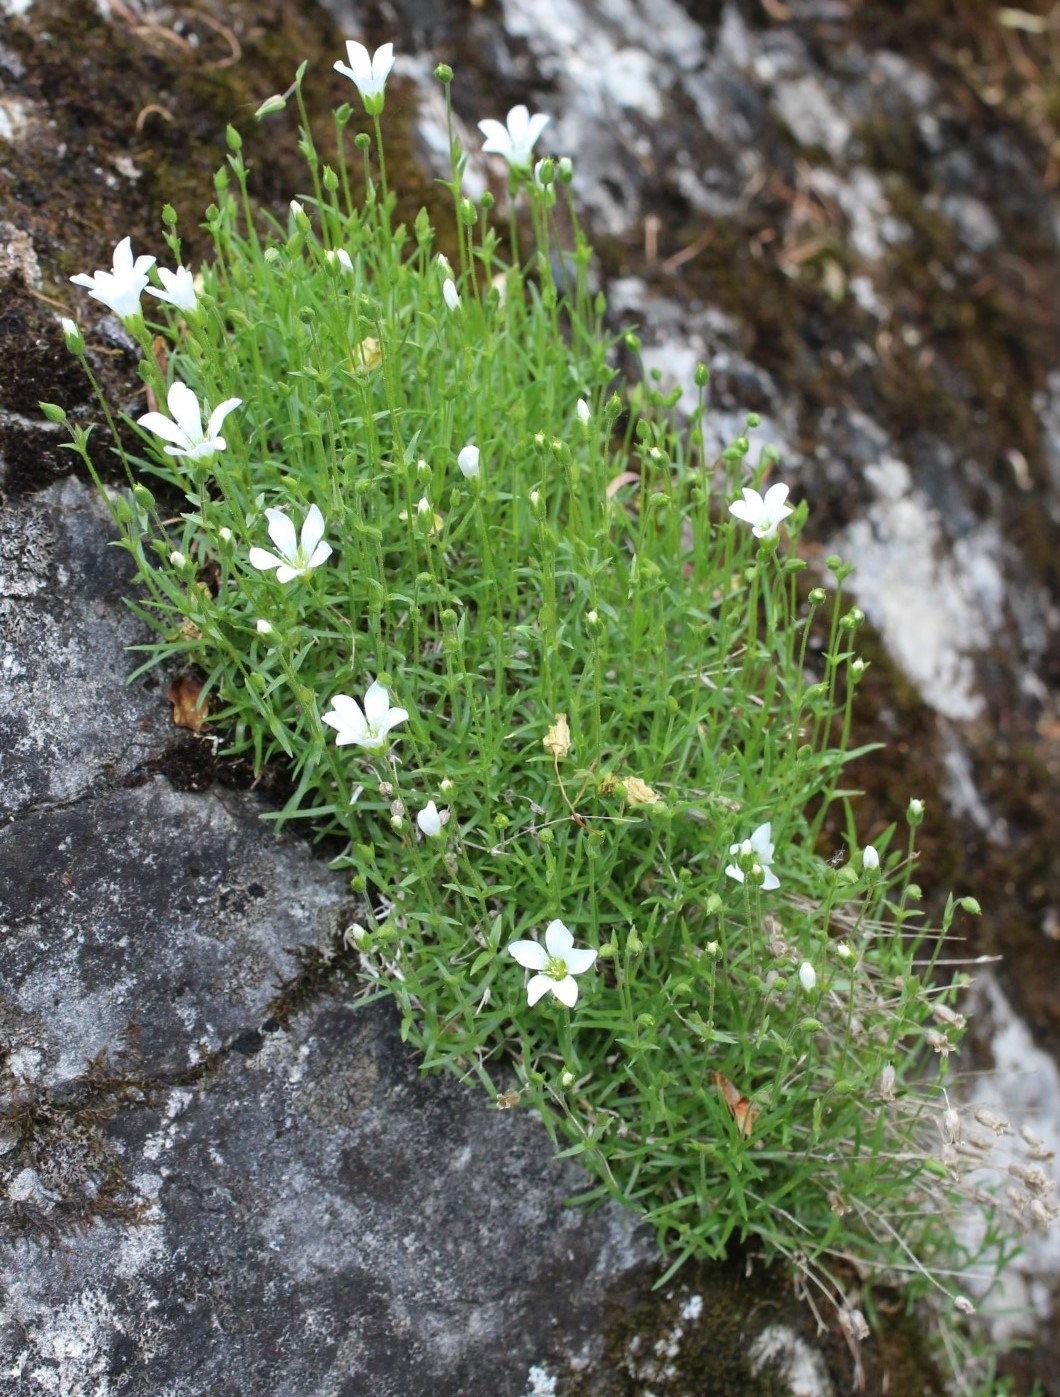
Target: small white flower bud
[[430, 821], [535, 498], [178, 559], [450, 294], [264, 627], [870, 859], [584, 415], [567, 1079], [807, 976], [468, 461], [225, 534]]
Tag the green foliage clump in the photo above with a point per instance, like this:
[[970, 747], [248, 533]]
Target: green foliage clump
[[620, 710]]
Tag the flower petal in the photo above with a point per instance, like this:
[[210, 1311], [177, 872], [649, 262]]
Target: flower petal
[[497, 139], [558, 940], [219, 414], [529, 953], [539, 985], [262, 560], [281, 531], [762, 843], [162, 427], [382, 62], [376, 704], [566, 991], [347, 719], [184, 410], [518, 121], [535, 126], [360, 60], [393, 717], [579, 960], [312, 531]]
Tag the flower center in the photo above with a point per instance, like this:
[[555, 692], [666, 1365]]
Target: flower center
[[556, 969]]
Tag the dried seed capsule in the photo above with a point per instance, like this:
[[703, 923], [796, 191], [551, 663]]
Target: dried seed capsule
[[992, 1122]]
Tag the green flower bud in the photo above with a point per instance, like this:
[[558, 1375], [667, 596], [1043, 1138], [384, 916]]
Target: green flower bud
[[270, 105], [75, 340]]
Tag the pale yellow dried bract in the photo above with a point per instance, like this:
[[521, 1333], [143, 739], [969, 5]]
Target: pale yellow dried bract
[[638, 792], [557, 739], [366, 355]]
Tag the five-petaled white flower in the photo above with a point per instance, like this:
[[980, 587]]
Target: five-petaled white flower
[[368, 72], [556, 962], [297, 556], [119, 289], [516, 140], [760, 846], [764, 514], [179, 289], [370, 727], [185, 431]]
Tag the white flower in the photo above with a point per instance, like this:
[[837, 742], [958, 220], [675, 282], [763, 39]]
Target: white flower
[[370, 727], [468, 462], [763, 514], [339, 258], [185, 431], [119, 289], [516, 140], [368, 72], [584, 415], [430, 820], [263, 627], [870, 859], [297, 556], [557, 963], [179, 289], [807, 976], [450, 295], [760, 845]]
